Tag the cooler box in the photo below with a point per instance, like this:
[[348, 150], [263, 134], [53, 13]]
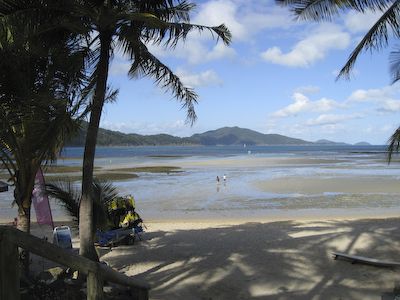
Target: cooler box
[[62, 237]]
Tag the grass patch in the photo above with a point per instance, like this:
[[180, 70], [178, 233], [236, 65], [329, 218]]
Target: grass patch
[[64, 169], [155, 169], [102, 176], [165, 156]]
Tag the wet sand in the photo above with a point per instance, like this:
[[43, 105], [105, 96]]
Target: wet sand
[[319, 185]]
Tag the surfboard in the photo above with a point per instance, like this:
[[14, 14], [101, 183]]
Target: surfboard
[[365, 260]]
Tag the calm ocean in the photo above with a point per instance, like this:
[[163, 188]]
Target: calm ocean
[[218, 151], [195, 192]]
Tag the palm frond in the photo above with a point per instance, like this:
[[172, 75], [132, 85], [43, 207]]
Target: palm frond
[[325, 10], [376, 38], [67, 195], [393, 144], [146, 64], [394, 59]]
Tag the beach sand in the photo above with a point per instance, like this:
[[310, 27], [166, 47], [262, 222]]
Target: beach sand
[[280, 259], [260, 260]]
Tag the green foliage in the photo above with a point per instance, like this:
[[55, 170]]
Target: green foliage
[[67, 193], [39, 97]]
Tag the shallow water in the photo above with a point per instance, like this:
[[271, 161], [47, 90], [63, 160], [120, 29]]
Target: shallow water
[[195, 192]]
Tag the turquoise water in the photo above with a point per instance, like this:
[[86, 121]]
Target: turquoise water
[[195, 192]]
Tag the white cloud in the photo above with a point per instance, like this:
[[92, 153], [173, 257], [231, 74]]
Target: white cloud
[[314, 47], [195, 50], [371, 95], [243, 18], [175, 128], [361, 22], [385, 98], [331, 119], [390, 105], [303, 104], [205, 78], [214, 13]]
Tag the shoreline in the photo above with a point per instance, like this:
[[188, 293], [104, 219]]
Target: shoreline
[[261, 216]]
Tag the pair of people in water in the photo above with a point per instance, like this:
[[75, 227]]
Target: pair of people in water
[[223, 178]]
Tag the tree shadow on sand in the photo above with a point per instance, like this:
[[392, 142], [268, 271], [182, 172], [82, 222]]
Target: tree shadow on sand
[[279, 260]]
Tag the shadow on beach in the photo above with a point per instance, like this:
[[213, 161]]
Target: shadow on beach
[[279, 260]]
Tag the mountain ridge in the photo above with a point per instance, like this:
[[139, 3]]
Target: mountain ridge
[[221, 136]]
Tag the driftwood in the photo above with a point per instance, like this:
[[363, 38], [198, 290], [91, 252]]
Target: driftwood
[[12, 238]]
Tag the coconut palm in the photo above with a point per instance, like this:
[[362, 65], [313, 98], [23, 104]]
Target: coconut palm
[[129, 26], [38, 105]]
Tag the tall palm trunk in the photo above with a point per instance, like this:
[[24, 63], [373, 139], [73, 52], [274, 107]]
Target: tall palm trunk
[[22, 194], [86, 205]]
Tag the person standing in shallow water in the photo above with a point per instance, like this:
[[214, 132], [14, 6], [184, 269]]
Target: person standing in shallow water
[[217, 179], [224, 178]]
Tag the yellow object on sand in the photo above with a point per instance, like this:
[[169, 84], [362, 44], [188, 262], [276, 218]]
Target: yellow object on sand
[[130, 217]]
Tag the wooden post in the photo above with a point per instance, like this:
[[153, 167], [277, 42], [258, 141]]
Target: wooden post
[[9, 268], [139, 293], [94, 286], [11, 239]]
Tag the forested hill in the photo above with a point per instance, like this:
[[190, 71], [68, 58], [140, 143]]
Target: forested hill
[[240, 136], [222, 136]]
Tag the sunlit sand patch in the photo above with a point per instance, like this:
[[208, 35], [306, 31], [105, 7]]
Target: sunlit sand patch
[[267, 289], [318, 185], [309, 224], [340, 243], [306, 233], [237, 259]]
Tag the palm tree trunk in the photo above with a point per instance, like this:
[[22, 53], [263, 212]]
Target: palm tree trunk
[[22, 195], [86, 205], [24, 224]]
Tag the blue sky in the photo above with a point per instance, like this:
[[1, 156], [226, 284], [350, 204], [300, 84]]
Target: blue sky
[[277, 76]]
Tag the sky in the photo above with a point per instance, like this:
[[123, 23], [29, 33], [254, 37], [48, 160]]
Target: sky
[[277, 76]]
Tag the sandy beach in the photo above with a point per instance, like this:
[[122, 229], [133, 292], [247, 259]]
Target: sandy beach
[[286, 259], [256, 260]]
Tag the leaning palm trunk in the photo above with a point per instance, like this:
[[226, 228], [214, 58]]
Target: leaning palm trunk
[[86, 206]]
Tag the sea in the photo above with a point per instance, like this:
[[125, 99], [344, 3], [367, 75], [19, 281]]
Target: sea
[[194, 191]]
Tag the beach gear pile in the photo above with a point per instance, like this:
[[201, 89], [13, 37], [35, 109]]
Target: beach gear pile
[[126, 223]]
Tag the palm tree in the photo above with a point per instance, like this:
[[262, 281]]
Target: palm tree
[[376, 38], [128, 26], [38, 105]]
